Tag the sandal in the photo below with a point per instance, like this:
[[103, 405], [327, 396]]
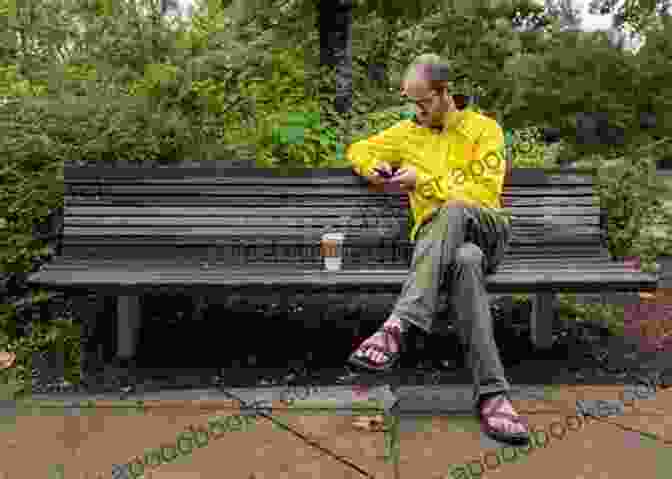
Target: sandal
[[359, 359], [512, 438]]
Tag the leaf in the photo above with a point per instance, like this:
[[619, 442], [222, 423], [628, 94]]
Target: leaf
[[7, 359], [369, 423]]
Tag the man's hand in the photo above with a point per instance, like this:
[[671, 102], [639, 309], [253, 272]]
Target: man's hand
[[405, 179], [376, 178]]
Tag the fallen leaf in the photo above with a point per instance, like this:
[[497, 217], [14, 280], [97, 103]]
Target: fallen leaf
[[369, 423], [6, 359]]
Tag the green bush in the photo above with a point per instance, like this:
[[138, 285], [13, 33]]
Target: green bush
[[527, 149], [60, 336], [633, 195]]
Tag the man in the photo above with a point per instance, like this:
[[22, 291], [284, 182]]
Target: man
[[451, 163]]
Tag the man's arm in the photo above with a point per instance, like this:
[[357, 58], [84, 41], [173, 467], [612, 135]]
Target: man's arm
[[484, 178], [385, 146], [487, 168]]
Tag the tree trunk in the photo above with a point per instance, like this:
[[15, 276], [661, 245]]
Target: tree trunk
[[335, 26]]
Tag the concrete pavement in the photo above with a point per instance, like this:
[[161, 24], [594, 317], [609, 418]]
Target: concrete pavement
[[333, 432]]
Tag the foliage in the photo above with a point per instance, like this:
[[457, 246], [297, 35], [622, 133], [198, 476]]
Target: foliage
[[633, 195], [528, 151], [289, 131], [610, 316], [60, 336]]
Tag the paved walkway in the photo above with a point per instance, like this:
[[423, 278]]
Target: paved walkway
[[335, 432]]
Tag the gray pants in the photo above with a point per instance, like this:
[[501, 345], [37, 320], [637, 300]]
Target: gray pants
[[454, 249]]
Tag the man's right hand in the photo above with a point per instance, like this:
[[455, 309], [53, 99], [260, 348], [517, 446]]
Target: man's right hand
[[376, 178]]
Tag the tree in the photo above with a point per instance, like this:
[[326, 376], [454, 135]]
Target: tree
[[335, 27]]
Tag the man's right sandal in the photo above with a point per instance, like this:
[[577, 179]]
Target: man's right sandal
[[361, 360]]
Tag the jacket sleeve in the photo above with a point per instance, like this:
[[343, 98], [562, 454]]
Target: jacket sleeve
[[486, 178], [483, 179], [385, 146]]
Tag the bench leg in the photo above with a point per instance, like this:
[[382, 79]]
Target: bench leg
[[542, 320], [128, 324], [200, 303]]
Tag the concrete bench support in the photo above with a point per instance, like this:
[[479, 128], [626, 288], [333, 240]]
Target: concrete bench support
[[200, 304], [128, 325], [541, 327]]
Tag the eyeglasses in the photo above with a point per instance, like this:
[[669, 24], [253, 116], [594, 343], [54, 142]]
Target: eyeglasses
[[423, 103]]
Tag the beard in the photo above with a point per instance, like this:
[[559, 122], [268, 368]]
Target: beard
[[430, 120]]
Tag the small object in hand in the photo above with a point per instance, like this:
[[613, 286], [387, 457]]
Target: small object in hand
[[386, 174]]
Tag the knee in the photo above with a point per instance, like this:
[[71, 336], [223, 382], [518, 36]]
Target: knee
[[469, 254]]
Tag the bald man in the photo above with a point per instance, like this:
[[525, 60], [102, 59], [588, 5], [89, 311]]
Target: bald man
[[451, 164]]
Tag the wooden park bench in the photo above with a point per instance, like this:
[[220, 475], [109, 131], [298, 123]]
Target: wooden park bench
[[132, 230]]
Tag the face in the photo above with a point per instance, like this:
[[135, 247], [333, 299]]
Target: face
[[429, 105]]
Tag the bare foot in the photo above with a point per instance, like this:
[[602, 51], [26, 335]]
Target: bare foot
[[384, 340], [499, 414]]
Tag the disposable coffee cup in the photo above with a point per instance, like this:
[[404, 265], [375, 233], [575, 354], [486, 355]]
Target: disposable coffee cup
[[331, 248]]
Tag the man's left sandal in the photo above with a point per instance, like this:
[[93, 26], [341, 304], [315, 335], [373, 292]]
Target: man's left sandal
[[512, 438]]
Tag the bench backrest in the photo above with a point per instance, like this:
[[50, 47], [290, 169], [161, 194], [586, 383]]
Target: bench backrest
[[187, 215]]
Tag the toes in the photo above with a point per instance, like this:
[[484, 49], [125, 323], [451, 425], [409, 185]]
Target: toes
[[506, 426], [372, 355]]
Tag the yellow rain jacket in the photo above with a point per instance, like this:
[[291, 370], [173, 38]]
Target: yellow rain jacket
[[465, 161]]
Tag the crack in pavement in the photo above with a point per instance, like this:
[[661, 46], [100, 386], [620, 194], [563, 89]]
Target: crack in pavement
[[259, 412]]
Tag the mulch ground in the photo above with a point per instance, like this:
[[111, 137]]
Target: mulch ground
[[175, 355]]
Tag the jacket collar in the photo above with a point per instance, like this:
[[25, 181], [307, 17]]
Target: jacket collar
[[452, 120]]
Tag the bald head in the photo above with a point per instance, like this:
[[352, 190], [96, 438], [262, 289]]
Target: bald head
[[430, 69], [426, 84]]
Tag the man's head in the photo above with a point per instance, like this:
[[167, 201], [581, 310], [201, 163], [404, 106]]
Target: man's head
[[426, 84]]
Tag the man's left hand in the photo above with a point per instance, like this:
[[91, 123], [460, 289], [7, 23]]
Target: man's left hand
[[405, 178]]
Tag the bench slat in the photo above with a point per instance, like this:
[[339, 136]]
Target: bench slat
[[206, 173], [290, 251], [195, 202], [579, 268], [75, 265], [391, 280], [519, 223], [87, 204], [177, 193], [566, 234], [355, 189], [185, 254], [284, 211]]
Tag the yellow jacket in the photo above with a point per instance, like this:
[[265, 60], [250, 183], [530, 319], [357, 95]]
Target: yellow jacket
[[465, 161]]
